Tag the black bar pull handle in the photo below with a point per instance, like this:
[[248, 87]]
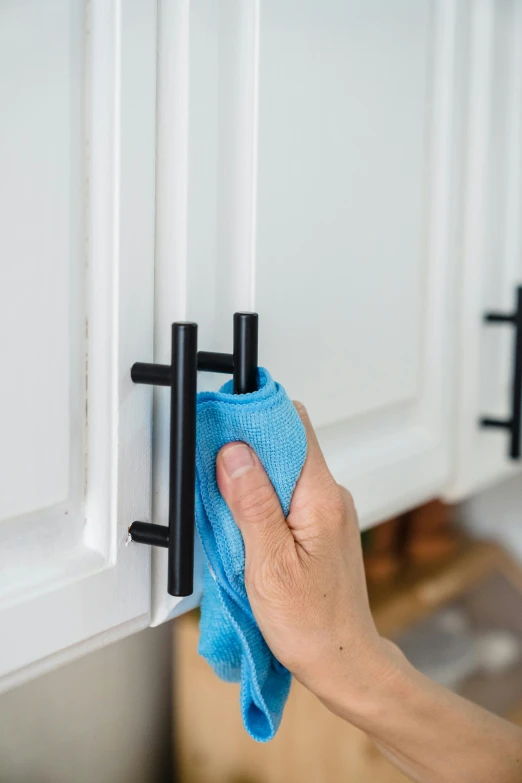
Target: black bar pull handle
[[513, 423], [181, 377], [182, 471]]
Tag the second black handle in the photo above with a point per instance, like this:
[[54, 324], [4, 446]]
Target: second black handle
[[513, 423]]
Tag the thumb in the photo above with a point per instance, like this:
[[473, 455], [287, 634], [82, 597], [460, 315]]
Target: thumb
[[252, 500]]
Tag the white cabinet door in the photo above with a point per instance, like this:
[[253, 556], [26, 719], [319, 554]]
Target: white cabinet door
[[307, 165], [77, 158], [491, 240]]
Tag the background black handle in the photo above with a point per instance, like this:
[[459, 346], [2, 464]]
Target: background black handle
[[181, 376], [512, 424]]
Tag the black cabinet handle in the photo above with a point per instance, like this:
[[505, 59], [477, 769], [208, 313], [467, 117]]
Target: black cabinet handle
[[512, 425], [181, 376]]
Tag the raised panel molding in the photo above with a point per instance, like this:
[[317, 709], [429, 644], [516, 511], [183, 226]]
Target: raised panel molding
[[70, 582], [207, 253]]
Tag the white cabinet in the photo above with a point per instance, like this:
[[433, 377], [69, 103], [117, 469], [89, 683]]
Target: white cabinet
[[309, 172], [490, 235], [77, 161], [351, 170]]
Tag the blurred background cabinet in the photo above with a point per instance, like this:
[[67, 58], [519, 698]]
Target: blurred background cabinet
[[490, 241]]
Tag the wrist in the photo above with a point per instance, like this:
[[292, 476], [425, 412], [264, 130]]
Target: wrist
[[367, 685]]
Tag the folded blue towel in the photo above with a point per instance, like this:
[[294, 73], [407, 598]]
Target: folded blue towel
[[230, 637]]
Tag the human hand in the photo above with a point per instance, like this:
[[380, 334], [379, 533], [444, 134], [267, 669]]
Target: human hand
[[304, 575]]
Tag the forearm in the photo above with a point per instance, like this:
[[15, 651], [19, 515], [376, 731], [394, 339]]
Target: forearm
[[430, 733]]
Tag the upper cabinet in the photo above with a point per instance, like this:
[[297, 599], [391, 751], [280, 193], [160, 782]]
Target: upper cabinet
[[77, 163], [490, 242], [308, 172], [350, 170]]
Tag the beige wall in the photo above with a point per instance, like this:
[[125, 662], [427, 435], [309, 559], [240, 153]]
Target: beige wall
[[105, 718]]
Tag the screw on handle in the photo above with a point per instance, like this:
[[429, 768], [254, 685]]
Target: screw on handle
[[513, 423], [181, 377]]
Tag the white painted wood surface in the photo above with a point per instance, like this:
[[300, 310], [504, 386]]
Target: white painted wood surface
[[353, 249], [491, 242], [77, 163], [308, 172], [350, 170]]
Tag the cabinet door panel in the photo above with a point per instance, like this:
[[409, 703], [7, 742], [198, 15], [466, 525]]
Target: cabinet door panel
[[339, 281], [41, 312], [351, 268], [307, 172], [77, 82]]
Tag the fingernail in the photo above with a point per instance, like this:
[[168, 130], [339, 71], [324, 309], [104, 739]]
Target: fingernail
[[238, 460]]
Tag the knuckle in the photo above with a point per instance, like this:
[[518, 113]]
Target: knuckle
[[333, 500], [348, 500], [300, 408], [277, 574], [329, 486], [327, 509], [336, 511], [302, 412], [338, 502], [258, 504]]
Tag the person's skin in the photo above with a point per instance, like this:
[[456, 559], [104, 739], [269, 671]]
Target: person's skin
[[306, 585]]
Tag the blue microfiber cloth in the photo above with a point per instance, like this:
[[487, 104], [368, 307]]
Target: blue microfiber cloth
[[230, 638]]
